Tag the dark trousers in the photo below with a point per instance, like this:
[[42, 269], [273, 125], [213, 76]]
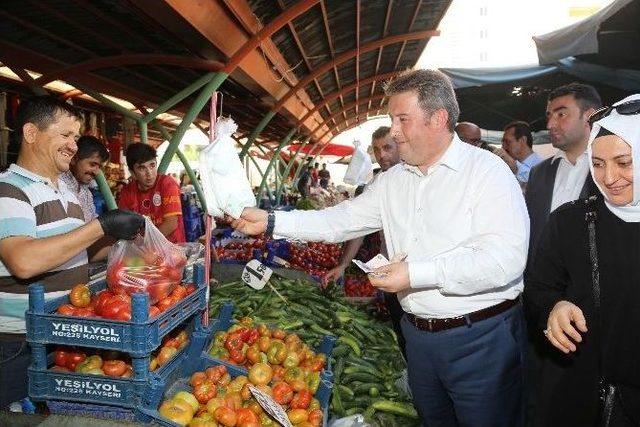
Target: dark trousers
[[15, 357], [471, 375], [396, 312]]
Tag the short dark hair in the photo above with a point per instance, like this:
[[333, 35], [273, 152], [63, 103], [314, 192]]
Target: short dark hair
[[139, 153], [434, 90], [521, 129], [381, 132], [41, 111], [88, 146], [585, 95]]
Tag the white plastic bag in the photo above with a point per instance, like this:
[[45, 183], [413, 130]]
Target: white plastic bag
[[224, 180], [360, 166]]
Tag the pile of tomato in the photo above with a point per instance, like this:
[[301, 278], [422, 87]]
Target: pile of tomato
[[113, 363], [315, 258], [109, 305], [358, 286], [215, 399], [240, 250]]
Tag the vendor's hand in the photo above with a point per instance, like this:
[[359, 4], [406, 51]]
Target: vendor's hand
[[392, 277], [560, 328], [252, 221], [121, 224], [334, 274]]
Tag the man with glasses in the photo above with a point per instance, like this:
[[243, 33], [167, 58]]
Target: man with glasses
[[555, 181]]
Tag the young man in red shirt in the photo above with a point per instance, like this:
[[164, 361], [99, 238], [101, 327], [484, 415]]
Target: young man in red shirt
[[154, 195]]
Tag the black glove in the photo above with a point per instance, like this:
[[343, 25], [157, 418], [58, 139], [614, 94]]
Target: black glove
[[121, 224]]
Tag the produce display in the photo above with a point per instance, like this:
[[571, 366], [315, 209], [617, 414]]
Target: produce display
[[315, 258], [357, 286], [115, 306], [114, 363], [239, 249], [216, 399], [366, 360]]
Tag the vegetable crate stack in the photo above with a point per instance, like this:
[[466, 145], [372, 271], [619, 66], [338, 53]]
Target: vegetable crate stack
[[108, 346]]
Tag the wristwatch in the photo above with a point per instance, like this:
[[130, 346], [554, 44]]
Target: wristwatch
[[271, 224]]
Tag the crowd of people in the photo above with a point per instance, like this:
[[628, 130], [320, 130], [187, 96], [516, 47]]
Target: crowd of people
[[516, 276], [512, 282]]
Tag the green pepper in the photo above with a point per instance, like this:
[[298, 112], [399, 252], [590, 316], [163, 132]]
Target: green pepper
[[313, 381], [292, 359], [294, 374], [276, 353], [219, 352]]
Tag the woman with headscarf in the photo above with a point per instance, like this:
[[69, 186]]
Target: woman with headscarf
[[583, 287]]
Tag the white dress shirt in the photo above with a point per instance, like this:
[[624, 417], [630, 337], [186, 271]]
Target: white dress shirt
[[463, 224], [569, 178]]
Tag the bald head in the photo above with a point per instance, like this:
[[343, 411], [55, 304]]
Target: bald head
[[468, 132]]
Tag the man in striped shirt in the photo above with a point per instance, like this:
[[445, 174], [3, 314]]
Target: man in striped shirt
[[43, 236]]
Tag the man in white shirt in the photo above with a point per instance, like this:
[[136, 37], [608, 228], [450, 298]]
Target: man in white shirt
[[557, 180], [517, 150], [459, 215]]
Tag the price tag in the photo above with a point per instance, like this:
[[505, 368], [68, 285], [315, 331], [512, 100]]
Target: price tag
[[269, 405], [375, 262], [256, 274]]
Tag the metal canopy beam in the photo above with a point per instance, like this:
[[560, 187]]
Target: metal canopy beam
[[347, 108]]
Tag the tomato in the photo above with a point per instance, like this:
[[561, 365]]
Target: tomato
[[205, 391], [292, 360], [264, 343], [282, 393], [233, 400], [278, 372], [166, 354], [80, 296], [315, 418], [225, 416], [179, 292], [301, 400], [101, 301], [260, 374], [224, 380], [73, 359], [214, 373], [67, 310], [190, 288], [278, 334], [245, 416], [297, 415], [114, 306], [277, 352], [114, 368], [165, 304], [153, 311], [318, 362], [237, 357], [253, 354], [197, 378], [84, 312], [60, 357]]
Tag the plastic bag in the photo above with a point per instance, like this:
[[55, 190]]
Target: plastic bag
[[360, 166], [224, 180], [356, 420], [149, 264]]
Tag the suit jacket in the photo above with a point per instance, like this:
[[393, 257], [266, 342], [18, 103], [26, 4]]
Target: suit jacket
[[539, 194]]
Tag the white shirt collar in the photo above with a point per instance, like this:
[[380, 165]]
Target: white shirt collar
[[453, 157], [562, 155], [27, 173]]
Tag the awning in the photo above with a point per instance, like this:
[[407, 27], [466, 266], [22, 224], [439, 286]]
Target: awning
[[328, 150]]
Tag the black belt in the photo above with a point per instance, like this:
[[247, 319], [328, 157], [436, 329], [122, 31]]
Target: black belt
[[435, 325]]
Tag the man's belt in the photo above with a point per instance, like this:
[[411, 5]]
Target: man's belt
[[435, 325]]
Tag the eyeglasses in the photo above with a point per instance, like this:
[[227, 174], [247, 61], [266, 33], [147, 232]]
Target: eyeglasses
[[627, 109]]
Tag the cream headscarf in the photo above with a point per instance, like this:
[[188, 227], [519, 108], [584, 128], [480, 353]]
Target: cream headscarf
[[627, 128]]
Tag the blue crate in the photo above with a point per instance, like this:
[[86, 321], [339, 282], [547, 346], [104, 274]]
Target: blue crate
[[143, 389], [90, 410], [138, 337], [225, 321]]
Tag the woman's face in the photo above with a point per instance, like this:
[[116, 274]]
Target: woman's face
[[613, 168]]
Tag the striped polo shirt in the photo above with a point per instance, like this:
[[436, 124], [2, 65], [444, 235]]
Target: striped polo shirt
[[31, 206]]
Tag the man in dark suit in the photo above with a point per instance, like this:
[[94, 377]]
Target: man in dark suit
[[557, 180]]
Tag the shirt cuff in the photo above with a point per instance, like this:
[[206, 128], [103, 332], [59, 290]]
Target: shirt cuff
[[285, 223], [422, 274]]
